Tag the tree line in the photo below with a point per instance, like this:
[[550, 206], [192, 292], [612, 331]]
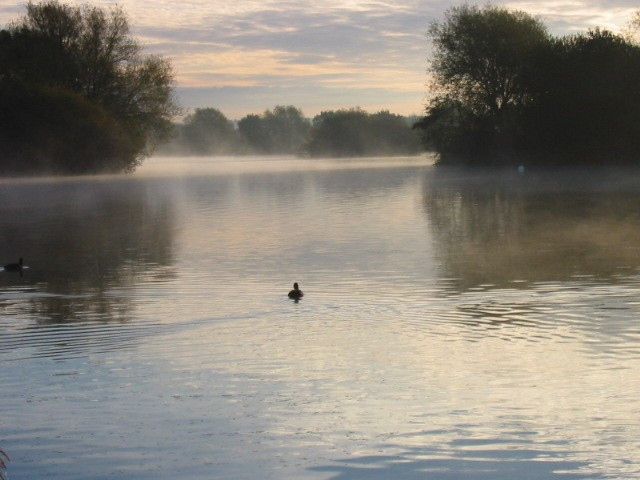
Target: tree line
[[78, 95], [505, 91], [284, 130]]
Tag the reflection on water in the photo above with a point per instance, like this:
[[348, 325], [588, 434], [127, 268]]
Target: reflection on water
[[543, 227], [80, 241], [484, 459], [453, 325]]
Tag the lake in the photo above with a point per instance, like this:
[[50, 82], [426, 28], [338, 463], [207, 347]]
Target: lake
[[455, 324]]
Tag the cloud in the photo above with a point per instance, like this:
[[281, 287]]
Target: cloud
[[340, 49], [571, 16], [323, 51], [327, 46]]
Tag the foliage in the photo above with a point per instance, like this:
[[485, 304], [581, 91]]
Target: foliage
[[84, 53], [587, 101], [208, 132], [354, 132], [632, 28], [506, 92], [453, 130], [482, 55], [282, 130], [253, 131], [56, 131], [287, 128]]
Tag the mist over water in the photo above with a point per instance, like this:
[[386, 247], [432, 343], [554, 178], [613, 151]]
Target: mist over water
[[455, 324]]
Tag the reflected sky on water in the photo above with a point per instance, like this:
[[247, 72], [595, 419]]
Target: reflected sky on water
[[454, 324]]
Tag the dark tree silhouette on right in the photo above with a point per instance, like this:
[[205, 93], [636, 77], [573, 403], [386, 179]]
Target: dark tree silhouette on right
[[505, 92]]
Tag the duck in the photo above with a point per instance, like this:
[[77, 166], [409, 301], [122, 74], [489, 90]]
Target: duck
[[296, 293], [14, 267]]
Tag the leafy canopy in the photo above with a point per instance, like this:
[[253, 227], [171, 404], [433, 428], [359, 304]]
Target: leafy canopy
[[505, 92], [88, 51], [482, 53]]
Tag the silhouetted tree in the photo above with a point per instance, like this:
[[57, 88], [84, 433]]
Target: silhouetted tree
[[632, 28], [506, 92], [453, 130], [253, 131], [481, 55], [208, 132], [284, 130], [281, 130], [587, 101], [287, 129], [354, 132], [85, 51], [54, 130]]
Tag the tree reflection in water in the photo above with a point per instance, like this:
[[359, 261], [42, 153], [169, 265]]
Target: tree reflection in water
[[82, 239], [498, 229]]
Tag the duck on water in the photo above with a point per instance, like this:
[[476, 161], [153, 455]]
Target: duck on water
[[14, 267], [296, 293]]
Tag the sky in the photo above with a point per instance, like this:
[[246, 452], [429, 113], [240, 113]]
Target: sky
[[246, 56]]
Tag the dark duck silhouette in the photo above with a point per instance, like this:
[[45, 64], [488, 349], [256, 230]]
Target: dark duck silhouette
[[296, 293], [14, 267]]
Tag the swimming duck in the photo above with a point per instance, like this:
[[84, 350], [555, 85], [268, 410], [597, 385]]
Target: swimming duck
[[14, 267], [296, 293]]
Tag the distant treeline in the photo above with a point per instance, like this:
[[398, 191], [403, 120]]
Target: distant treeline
[[506, 92], [284, 130], [77, 95]]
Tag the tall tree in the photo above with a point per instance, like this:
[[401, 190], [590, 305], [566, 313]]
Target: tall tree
[[356, 133], [208, 132], [253, 131], [287, 129], [481, 57], [482, 53], [587, 101], [87, 51]]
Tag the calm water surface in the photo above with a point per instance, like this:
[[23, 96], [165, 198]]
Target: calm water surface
[[454, 325]]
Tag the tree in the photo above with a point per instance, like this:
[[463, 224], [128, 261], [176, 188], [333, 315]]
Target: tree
[[392, 135], [632, 28], [452, 130], [282, 130], [286, 128], [87, 51], [481, 57], [253, 131], [208, 132], [338, 134], [482, 54], [587, 107], [53, 130], [507, 93], [356, 133]]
